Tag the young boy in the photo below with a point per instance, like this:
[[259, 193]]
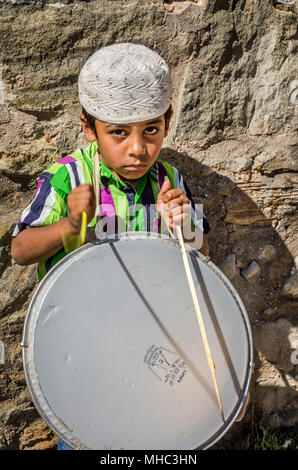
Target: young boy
[[125, 92]]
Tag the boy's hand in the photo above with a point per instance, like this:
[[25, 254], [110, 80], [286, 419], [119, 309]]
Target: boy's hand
[[173, 206], [82, 198]]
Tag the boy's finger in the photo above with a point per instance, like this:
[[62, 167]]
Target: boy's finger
[[177, 199], [175, 194], [165, 187], [85, 188], [180, 218], [179, 209]]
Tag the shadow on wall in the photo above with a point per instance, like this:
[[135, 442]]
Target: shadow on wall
[[251, 253]]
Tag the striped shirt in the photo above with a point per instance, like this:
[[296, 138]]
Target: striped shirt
[[128, 209]]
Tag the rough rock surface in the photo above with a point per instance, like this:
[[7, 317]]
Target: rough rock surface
[[233, 137]]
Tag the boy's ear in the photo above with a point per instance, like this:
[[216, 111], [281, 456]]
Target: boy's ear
[[89, 133], [168, 123], [168, 127]]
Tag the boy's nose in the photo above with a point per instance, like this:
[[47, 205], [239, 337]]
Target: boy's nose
[[136, 145]]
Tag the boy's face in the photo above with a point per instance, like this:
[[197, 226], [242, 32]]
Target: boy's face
[[128, 150]]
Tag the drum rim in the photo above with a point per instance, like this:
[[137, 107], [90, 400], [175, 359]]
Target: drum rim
[[39, 400]]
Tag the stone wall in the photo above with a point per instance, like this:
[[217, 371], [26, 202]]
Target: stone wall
[[233, 137]]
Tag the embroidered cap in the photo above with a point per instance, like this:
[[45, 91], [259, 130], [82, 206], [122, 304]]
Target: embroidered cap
[[125, 83]]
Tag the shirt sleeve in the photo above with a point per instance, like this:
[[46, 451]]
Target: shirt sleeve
[[197, 215], [47, 207]]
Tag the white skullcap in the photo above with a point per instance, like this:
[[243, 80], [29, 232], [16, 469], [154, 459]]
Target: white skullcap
[[125, 83]]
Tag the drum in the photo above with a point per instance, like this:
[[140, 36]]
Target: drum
[[113, 354]]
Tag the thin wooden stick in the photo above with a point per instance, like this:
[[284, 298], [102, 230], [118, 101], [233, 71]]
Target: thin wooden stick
[[199, 316]]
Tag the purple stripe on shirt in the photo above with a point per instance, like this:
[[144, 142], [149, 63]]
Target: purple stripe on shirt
[[40, 181], [43, 177], [148, 202], [156, 224], [161, 173], [161, 178], [108, 208], [38, 203], [65, 160], [75, 173]]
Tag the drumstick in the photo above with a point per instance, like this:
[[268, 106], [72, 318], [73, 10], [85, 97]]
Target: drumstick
[[198, 312], [83, 228], [199, 316], [71, 242]]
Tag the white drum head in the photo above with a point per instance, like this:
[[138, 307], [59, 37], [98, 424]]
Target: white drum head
[[113, 354]]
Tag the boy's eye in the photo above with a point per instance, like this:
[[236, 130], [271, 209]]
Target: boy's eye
[[118, 132], [151, 130], [122, 132]]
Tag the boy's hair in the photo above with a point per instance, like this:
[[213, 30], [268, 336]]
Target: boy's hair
[[91, 119]]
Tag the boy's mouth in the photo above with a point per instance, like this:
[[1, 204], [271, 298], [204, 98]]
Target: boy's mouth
[[134, 167]]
